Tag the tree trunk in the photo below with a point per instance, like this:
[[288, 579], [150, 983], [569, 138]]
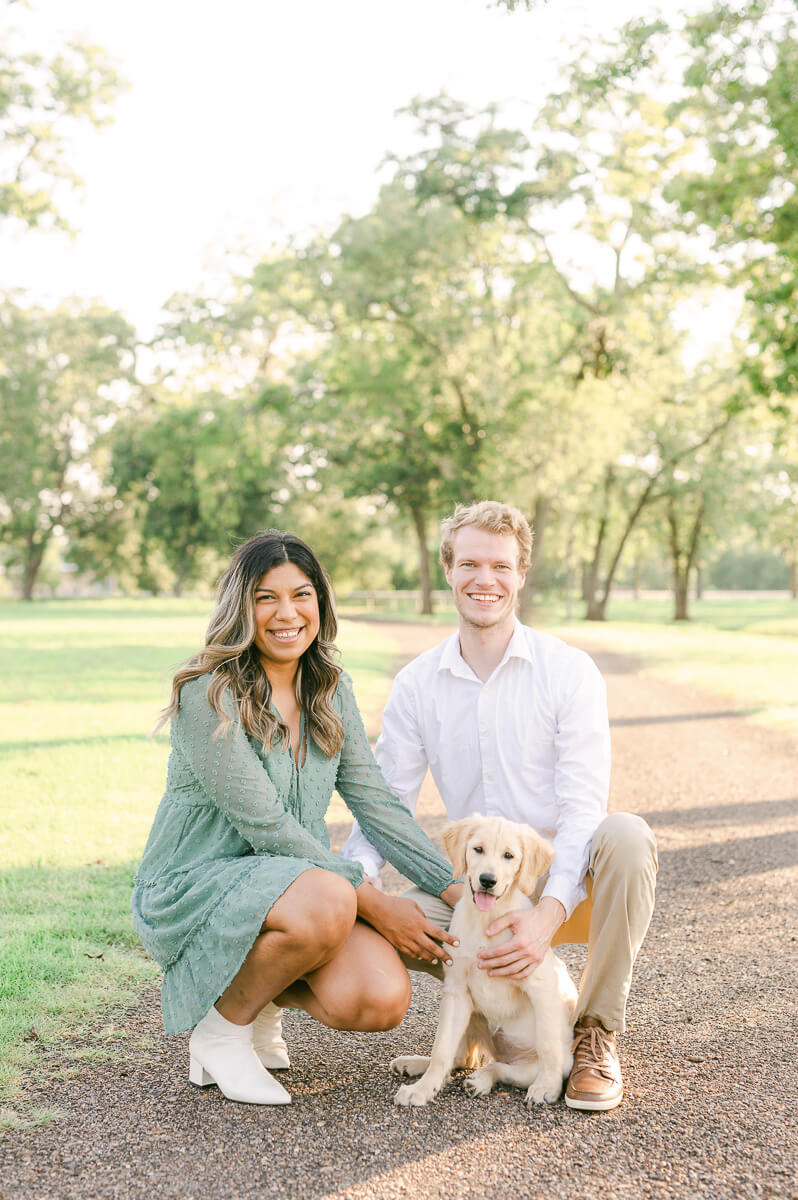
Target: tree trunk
[[699, 581], [596, 607], [33, 561], [424, 573], [591, 582], [793, 561], [680, 590], [584, 581], [180, 578], [595, 610], [569, 577], [683, 559], [184, 562], [600, 605], [539, 525]]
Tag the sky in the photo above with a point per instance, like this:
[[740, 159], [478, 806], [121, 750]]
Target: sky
[[248, 121]]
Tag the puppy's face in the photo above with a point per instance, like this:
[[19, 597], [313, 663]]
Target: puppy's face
[[494, 854]]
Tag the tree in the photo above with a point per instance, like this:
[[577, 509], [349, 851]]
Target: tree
[[775, 511], [406, 374], [598, 163], [42, 100], [740, 100], [62, 376], [704, 489], [197, 475]]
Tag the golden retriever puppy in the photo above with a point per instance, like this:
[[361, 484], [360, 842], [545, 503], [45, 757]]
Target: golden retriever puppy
[[525, 1026]]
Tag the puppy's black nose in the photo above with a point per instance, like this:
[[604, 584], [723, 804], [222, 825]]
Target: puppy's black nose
[[487, 880]]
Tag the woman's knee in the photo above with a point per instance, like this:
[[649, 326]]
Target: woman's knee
[[390, 1003], [373, 1007], [320, 914]]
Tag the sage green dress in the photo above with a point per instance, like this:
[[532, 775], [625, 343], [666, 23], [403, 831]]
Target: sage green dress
[[236, 826]]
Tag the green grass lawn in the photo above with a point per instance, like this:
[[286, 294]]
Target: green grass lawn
[[743, 649], [83, 683]]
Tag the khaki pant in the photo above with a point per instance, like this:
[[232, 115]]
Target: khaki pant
[[612, 921]]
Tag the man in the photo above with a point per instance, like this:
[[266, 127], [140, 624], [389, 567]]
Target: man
[[513, 722]]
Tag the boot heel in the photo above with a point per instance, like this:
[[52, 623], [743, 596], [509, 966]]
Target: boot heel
[[197, 1074], [232, 1063]]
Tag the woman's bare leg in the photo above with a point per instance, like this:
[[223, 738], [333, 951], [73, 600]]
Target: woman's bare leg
[[364, 986], [303, 930]]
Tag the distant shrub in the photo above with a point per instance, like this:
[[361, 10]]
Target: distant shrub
[[751, 570]]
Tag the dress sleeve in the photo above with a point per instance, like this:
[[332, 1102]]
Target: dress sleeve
[[232, 776], [384, 820], [402, 758]]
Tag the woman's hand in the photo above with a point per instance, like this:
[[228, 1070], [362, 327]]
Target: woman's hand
[[404, 925]]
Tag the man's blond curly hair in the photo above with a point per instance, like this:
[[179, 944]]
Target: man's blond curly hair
[[494, 517]]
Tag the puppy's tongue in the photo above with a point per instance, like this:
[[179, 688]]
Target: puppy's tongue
[[484, 900]]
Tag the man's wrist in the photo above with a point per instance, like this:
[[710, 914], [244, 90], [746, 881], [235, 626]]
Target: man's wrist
[[552, 914]]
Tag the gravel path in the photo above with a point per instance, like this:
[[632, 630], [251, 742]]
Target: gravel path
[[709, 1058]]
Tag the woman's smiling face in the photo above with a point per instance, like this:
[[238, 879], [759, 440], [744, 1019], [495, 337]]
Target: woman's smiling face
[[286, 615]]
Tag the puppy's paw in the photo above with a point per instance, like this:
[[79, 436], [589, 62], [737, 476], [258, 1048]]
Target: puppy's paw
[[411, 1095], [480, 1083], [409, 1064], [544, 1091]]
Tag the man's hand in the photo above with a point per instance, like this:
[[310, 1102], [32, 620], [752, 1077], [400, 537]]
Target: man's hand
[[533, 929], [404, 925]]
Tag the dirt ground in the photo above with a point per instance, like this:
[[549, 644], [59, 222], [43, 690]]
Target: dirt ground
[[709, 1056]]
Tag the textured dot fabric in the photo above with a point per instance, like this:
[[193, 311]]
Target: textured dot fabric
[[236, 826]]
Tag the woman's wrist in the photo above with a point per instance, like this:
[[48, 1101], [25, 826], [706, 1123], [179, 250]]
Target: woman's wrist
[[369, 900], [452, 893]]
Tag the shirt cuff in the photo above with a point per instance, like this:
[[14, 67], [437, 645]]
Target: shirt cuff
[[561, 888], [370, 863]]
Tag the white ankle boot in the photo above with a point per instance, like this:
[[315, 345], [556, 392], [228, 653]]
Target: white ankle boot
[[267, 1038], [222, 1053]]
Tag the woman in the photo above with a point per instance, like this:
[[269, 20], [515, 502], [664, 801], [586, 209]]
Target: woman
[[238, 895]]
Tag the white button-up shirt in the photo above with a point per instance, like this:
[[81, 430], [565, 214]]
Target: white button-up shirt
[[531, 743]]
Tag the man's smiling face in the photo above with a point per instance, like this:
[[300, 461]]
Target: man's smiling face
[[484, 577]]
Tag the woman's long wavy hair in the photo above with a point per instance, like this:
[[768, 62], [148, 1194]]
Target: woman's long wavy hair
[[231, 656]]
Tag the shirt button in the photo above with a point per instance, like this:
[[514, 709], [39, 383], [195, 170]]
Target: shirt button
[[483, 733]]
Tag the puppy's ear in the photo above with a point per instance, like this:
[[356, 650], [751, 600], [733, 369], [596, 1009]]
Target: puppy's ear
[[455, 839], [538, 856]]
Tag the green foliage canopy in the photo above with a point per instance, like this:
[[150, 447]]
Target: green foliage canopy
[[42, 100], [62, 377]]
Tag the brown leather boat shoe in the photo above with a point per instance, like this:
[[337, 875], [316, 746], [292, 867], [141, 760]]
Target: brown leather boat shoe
[[595, 1083]]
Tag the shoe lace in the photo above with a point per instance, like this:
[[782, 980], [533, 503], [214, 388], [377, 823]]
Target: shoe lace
[[599, 1052]]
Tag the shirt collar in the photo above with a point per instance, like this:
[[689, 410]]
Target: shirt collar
[[452, 660], [518, 646]]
